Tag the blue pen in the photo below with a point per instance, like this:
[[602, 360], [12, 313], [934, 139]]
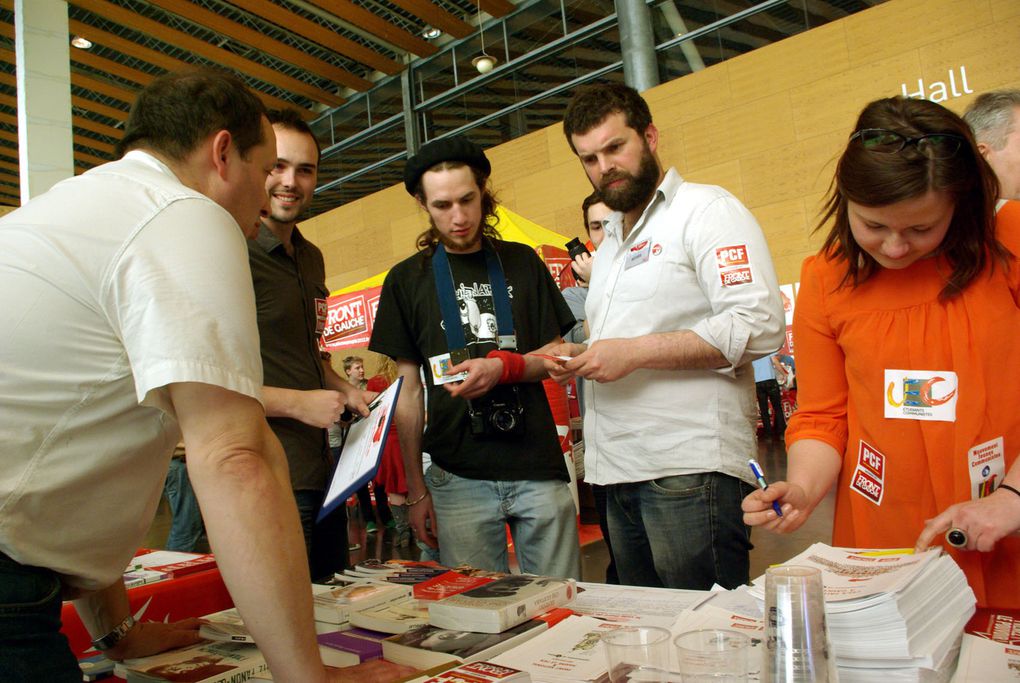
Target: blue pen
[[760, 477]]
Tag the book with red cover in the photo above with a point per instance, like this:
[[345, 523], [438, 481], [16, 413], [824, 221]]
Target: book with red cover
[[1000, 625], [172, 562], [448, 583]]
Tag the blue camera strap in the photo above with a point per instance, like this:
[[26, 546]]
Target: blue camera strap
[[443, 275]]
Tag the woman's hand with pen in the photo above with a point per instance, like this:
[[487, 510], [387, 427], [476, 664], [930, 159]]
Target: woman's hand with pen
[[758, 510]]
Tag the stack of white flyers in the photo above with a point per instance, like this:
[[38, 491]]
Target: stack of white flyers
[[892, 614], [366, 440]]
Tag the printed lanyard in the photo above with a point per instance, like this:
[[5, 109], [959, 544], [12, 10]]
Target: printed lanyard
[[443, 275]]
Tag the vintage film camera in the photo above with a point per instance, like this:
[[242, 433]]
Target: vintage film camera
[[498, 414]]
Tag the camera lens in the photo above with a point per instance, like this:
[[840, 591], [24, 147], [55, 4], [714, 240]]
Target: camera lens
[[503, 420]]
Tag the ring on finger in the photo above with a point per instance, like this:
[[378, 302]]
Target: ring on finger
[[956, 537]]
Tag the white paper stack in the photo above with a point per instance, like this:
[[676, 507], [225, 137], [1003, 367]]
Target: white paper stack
[[892, 615]]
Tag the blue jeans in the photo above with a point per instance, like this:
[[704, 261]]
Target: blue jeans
[[185, 517], [684, 531], [32, 648], [326, 541], [472, 514]]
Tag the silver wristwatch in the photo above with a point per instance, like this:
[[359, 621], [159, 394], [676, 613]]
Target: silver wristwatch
[[114, 636]]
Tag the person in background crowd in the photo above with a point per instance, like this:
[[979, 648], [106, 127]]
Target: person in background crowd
[[144, 258], [905, 333], [767, 372], [390, 476], [185, 515], [354, 366], [496, 456], [303, 394], [995, 119], [594, 214], [682, 297]]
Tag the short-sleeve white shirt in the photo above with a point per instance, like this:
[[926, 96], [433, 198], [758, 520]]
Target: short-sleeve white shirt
[[113, 285], [695, 260]]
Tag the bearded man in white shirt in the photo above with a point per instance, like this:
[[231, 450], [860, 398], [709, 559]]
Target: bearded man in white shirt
[[682, 298]]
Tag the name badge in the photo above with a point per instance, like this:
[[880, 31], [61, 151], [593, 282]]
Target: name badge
[[921, 395], [440, 366], [321, 310], [638, 254]]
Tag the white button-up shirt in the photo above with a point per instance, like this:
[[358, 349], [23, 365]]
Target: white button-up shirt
[[696, 260]]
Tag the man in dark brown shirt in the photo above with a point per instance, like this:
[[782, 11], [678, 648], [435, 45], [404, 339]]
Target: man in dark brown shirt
[[303, 394]]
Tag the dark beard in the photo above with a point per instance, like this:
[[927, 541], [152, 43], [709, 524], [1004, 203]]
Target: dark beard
[[638, 189]]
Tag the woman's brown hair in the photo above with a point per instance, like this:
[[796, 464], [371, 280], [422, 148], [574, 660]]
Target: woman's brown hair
[[872, 178]]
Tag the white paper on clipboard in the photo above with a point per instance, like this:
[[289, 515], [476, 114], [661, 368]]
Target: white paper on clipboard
[[363, 449]]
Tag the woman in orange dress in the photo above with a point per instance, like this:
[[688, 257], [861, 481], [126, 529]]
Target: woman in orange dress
[[908, 365]]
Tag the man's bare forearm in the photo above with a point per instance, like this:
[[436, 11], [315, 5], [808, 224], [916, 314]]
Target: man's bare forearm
[[410, 418], [239, 473], [680, 350]]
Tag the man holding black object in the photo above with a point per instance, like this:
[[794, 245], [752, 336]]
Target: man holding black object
[[467, 306]]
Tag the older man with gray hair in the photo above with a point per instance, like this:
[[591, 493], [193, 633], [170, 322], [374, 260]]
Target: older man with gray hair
[[995, 119]]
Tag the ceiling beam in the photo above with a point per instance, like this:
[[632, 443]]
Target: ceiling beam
[[319, 34], [96, 127], [83, 80], [259, 41], [377, 26], [109, 112], [91, 158], [436, 17], [94, 144], [496, 8], [156, 58], [217, 55]]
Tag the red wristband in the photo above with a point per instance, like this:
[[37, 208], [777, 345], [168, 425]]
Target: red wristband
[[513, 366]]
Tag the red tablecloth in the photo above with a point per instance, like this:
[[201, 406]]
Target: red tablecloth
[[192, 595]]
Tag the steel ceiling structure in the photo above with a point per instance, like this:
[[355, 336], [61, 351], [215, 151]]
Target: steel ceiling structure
[[315, 55]]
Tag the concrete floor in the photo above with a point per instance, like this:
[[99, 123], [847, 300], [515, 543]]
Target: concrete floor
[[768, 548]]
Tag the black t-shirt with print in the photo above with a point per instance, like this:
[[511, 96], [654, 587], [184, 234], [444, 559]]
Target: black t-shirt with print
[[408, 326]]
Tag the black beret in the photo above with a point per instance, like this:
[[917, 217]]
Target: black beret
[[456, 148]]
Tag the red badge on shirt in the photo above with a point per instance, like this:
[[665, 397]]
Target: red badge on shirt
[[731, 256], [869, 476], [321, 310]]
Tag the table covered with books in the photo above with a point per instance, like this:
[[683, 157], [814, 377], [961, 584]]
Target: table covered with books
[[891, 616]]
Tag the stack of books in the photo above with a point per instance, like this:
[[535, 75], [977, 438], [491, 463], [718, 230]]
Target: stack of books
[[892, 615], [480, 623]]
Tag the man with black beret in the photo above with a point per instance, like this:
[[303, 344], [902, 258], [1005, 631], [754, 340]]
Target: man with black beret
[[466, 306]]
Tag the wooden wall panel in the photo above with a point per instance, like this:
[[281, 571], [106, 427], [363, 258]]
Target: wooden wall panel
[[767, 125], [895, 27]]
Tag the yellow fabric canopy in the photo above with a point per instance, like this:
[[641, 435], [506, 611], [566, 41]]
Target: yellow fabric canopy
[[512, 227]]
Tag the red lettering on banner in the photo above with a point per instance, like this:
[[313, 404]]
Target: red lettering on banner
[[871, 459], [736, 276], [867, 486], [731, 256]]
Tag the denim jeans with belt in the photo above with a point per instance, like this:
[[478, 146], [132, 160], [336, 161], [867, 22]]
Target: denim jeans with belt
[[471, 514], [683, 531], [32, 648]]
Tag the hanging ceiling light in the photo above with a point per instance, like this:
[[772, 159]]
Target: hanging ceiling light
[[81, 43], [431, 33], [483, 62]]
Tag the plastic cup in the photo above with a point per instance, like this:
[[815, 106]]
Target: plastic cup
[[796, 640], [712, 656], [638, 653]]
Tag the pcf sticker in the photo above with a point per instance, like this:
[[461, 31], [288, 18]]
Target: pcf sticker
[[321, 311], [869, 476]]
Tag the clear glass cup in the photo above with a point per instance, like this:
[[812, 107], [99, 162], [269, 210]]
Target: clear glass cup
[[713, 656], [796, 639], [638, 653]]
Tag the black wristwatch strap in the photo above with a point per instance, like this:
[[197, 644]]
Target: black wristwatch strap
[[114, 636]]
